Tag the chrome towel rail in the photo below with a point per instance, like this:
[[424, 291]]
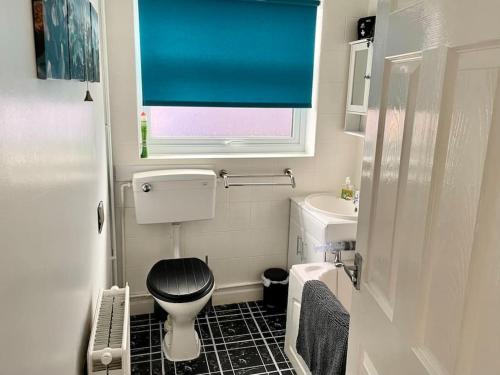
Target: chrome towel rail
[[287, 173]]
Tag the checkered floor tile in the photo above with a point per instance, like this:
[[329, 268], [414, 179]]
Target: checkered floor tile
[[238, 339]]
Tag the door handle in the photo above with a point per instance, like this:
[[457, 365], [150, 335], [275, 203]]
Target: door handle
[[354, 271]]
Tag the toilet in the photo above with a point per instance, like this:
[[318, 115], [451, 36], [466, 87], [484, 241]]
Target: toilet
[[181, 286]]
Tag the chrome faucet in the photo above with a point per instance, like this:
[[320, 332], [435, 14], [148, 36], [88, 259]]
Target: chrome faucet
[[336, 249], [353, 271], [337, 258]]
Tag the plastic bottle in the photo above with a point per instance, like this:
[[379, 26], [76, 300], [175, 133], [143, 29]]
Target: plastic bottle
[[347, 189], [144, 136]]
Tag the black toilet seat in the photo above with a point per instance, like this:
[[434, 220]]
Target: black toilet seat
[[180, 280]]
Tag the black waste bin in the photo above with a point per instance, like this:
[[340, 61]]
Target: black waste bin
[[275, 282]]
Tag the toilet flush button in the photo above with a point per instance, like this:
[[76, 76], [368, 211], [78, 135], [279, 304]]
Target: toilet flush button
[[146, 187]]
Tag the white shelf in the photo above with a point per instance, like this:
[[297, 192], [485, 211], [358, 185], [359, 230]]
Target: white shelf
[[355, 124]]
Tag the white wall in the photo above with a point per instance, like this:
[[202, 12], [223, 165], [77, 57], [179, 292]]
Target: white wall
[[249, 233], [52, 175]]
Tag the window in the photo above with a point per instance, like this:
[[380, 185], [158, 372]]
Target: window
[[223, 76], [209, 130]]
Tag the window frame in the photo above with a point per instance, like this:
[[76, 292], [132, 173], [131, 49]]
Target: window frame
[[233, 146]]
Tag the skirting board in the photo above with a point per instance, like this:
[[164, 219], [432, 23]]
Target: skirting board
[[144, 304]]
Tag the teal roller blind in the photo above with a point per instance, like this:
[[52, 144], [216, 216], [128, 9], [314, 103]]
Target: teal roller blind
[[227, 53]]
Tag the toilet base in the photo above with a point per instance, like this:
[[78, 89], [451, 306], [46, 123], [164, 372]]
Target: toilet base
[[181, 342]]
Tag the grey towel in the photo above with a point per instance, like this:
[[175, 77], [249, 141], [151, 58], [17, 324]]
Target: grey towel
[[323, 330]]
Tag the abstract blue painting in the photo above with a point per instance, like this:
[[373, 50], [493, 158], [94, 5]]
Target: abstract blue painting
[[50, 18], [77, 11], [87, 31], [66, 40], [94, 21]]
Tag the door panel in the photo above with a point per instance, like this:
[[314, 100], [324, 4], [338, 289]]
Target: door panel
[[399, 102], [457, 188], [428, 226]]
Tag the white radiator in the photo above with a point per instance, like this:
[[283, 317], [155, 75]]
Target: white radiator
[[109, 346]]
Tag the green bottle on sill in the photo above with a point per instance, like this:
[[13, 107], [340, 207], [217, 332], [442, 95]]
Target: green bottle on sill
[[144, 136]]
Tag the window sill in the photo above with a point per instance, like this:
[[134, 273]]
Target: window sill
[[260, 155]]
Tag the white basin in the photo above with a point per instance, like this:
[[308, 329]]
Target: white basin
[[325, 272], [334, 278], [331, 205], [330, 278]]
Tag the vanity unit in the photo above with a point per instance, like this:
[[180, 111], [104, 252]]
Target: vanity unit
[[316, 220], [336, 280]]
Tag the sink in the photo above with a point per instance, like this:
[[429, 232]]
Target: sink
[[334, 278], [331, 205], [325, 272], [330, 278]]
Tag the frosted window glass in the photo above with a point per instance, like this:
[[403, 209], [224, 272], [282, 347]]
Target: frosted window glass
[[220, 122]]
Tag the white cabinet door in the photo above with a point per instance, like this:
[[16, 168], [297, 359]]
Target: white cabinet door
[[313, 249], [359, 77], [295, 244], [429, 222]]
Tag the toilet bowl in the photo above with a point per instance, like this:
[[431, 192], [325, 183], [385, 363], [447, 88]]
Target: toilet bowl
[[182, 287]]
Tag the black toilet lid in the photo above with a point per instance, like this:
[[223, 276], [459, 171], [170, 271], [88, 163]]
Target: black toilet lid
[[180, 280]]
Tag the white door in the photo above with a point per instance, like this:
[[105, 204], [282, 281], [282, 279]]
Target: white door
[[429, 225]]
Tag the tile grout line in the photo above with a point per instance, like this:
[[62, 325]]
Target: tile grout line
[[238, 316], [264, 339], [224, 341], [150, 349], [272, 334], [253, 340], [161, 349], [202, 349], [215, 346]]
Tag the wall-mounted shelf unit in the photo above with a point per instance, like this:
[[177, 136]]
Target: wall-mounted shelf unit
[[358, 90]]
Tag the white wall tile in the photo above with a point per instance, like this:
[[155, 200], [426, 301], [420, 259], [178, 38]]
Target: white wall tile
[[332, 98], [238, 215], [215, 245], [148, 251], [136, 278], [331, 127], [243, 194], [270, 214], [335, 64], [240, 270]]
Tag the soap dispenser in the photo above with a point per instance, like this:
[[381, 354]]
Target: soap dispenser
[[347, 190]]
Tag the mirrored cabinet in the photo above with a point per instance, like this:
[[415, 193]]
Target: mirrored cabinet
[[358, 86]]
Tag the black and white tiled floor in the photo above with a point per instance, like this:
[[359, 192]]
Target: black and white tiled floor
[[238, 339]]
